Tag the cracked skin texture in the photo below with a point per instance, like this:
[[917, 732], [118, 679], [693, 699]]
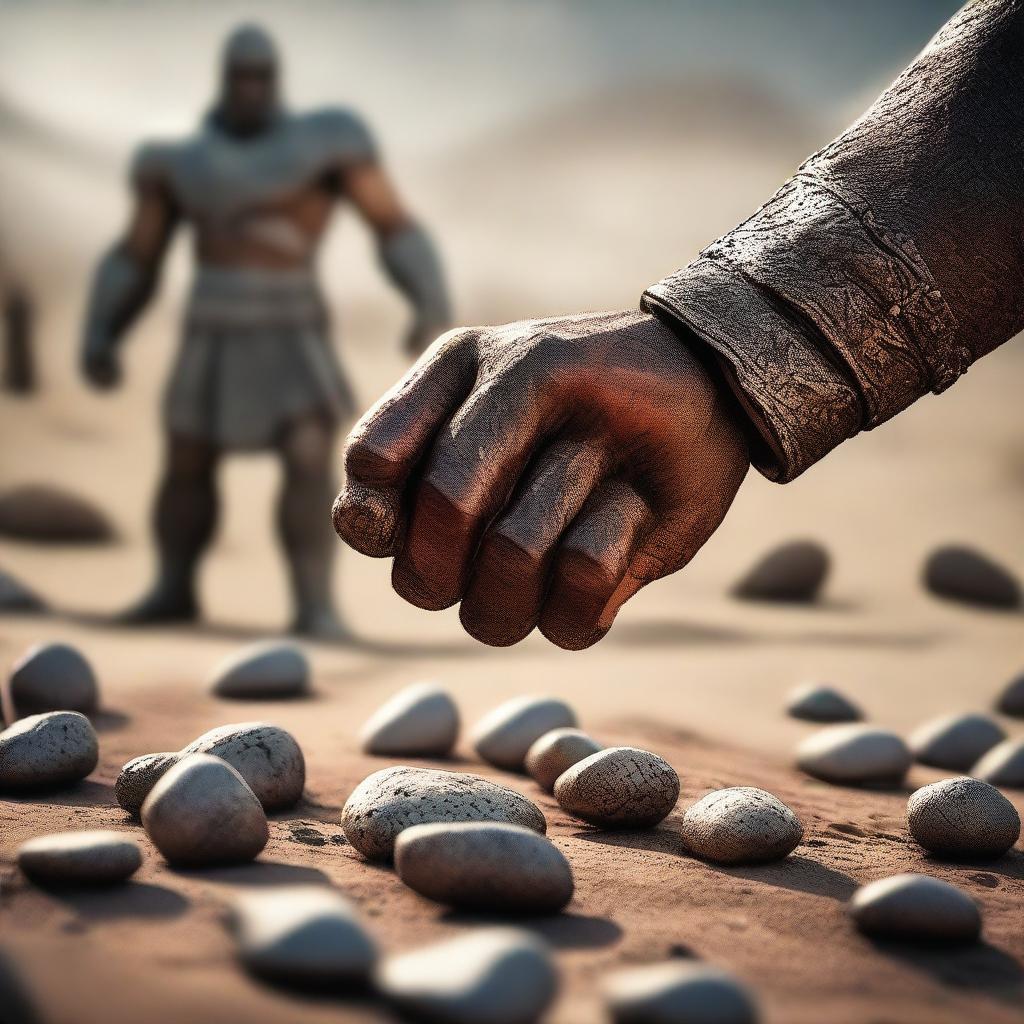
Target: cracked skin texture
[[621, 787], [963, 818]]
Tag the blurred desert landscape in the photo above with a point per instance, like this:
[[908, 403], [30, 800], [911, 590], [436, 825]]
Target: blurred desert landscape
[[566, 156]]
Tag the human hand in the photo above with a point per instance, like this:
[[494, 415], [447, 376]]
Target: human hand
[[542, 473], [102, 369]]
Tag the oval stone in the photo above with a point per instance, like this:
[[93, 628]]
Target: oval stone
[[266, 756], [955, 742], [41, 751], [741, 825], [419, 721], [95, 857], [267, 671], [139, 776], [51, 677], [1003, 765], [302, 935], [505, 734], [619, 787], [678, 992], [963, 818], [855, 755], [1011, 700], [813, 703], [960, 573], [911, 906], [492, 976], [201, 812], [793, 572], [484, 866], [556, 752], [393, 799]]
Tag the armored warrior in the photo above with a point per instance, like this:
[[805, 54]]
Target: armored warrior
[[255, 370]]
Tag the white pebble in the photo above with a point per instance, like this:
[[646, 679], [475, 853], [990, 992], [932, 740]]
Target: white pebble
[[678, 993], [269, 671], [955, 742], [94, 857], [556, 752], [855, 755], [1003, 765], [911, 906], [48, 750], [419, 721], [505, 734]]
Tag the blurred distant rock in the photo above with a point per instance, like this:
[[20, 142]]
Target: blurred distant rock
[[16, 597], [960, 573], [51, 515], [794, 572]]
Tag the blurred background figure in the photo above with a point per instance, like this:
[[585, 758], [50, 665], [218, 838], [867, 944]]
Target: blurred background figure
[[255, 370], [18, 374]]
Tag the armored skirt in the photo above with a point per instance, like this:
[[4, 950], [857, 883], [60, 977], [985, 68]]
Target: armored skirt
[[255, 357]]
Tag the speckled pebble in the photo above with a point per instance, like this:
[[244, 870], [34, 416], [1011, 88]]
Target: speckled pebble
[[490, 976], [505, 734], [274, 670], [484, 866], [963, 818], [51, 677], [911, 906], [42, 751], [556, 752], [678, 993], [1003, 765], [201, 813], [419, 721], [855, 755], [955, 742], [814, 703], [741, 825], [139, 776], [620, 787], [95, 857], [393, 799]]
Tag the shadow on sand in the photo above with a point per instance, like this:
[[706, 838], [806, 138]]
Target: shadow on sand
[[563, 931], [140, 900]]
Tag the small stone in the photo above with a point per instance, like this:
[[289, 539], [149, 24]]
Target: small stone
[[741, 825], [303, 935], [419, 721], [813, 703], [1011, 700], [855, 755], [393, 799], [51, 677], [955, 742], [484, 866], [556, 752], [505, 734], [139, 776], [963, 818], [911, 906], [492, 976], [620, 787], [269, 671], [678, 993], [16, 597], [792, 573], [51, 515], [201, 813], [41, 751], [1003, 765], [97, 857], [267, 757], [962, 574]]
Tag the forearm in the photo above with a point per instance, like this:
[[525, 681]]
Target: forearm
[[121, 287], [886, 265], [412, 264]]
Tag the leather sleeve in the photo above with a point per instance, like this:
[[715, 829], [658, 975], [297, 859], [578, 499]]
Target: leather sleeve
[[890, 261]]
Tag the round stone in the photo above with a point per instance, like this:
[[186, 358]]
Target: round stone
[[963, 818], [1003, 765], [955, 742], [393, 799], [51, 677], [139, 776], [484, 866], [267, 671], [266, 756], [855, 755], [619, 787], [302, 935], [556, 752], [1011, 700], [201, 813], [962, 574], [813, 703], [419, 721], [504, 735], [491, 976], [741, 825], [41, 751], [794, 572], [911, 906], [52, 515], [97, 857], [678, 993]]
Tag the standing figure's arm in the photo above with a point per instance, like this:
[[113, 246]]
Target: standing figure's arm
[[127, 275]]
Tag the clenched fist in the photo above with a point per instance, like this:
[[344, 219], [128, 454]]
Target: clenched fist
[[541, 473]]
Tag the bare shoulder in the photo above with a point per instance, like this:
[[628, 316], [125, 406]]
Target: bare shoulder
[[341, 134], [153, 162]]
